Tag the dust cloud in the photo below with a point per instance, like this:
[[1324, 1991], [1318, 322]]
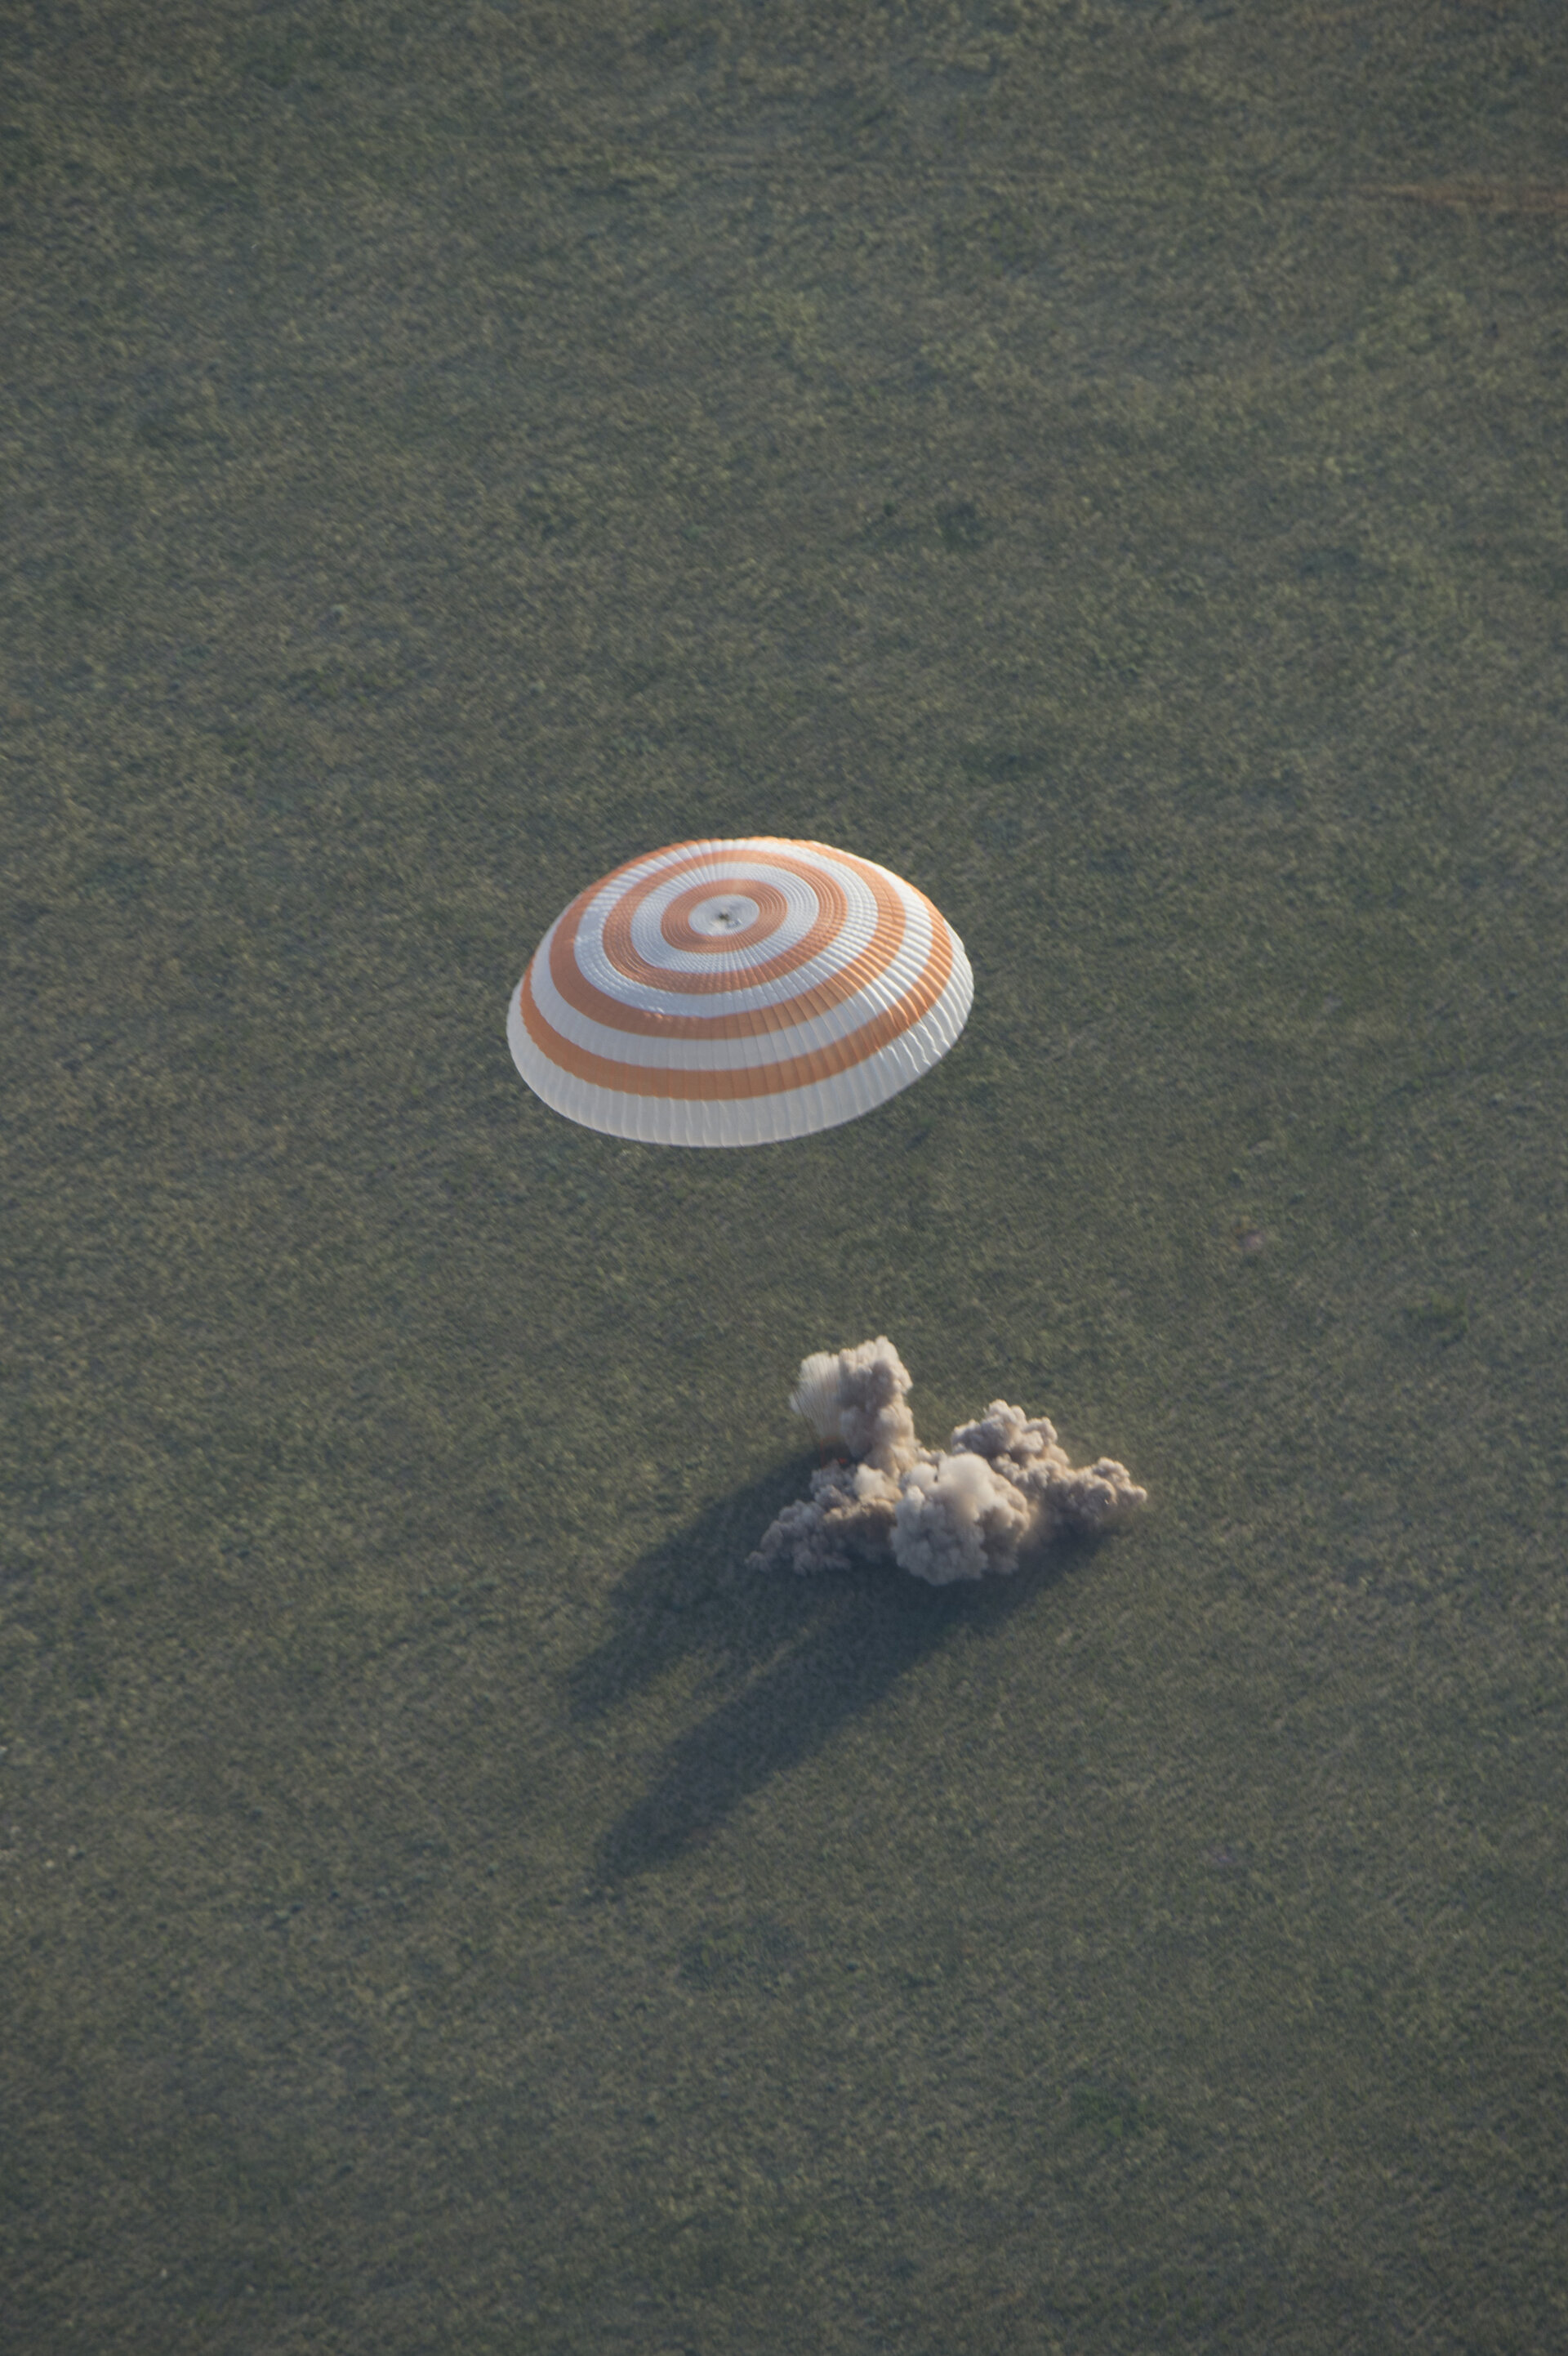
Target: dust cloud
[[1002, 1487]]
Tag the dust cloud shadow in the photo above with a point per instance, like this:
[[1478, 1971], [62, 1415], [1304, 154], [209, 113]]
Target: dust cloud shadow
[[790, 1659]]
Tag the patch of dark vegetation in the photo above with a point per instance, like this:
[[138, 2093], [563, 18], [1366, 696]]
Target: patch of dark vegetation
[[750, 1955], [1440, 1317], [962, 525], [1107, 2111]]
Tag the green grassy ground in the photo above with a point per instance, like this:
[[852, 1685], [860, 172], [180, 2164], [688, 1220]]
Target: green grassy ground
[[448, 1902]]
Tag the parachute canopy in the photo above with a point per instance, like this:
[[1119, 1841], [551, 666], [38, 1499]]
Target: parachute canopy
[[735, 993]]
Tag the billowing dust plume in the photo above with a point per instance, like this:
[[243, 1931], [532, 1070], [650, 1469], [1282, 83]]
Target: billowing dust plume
[[1002, 1484]]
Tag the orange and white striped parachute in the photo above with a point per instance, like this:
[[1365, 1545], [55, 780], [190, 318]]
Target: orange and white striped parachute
[[735, 993]]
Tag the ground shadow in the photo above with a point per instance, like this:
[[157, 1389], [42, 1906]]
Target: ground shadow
[[791, 1659]]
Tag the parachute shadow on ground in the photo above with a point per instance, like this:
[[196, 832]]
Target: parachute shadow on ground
[[791, 1660]]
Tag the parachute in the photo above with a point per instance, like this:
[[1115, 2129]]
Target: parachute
[[738, 993]]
